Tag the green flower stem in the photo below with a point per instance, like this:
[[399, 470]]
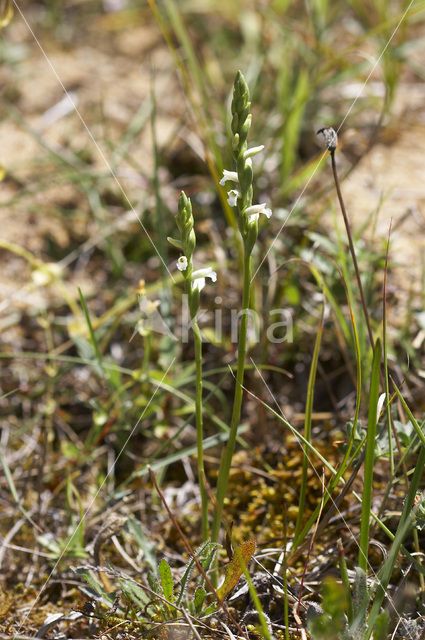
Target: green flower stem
[[226, 459], [187, 243], [199, 427]]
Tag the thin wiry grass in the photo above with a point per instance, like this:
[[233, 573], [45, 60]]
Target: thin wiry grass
[[307, 424], [369, 462]]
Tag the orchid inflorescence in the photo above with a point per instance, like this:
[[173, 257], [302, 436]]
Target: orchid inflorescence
[[240, 195], [195, 280], [194, 283]]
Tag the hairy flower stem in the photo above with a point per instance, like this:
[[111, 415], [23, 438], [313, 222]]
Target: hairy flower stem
[[199, 427], [351, 245], [226, 459]]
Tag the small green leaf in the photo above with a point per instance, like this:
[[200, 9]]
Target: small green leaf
[[135, 593], [205, 554], [184, 580], [166, 580], [381, 627], [361, 600], [153, 581], [207, 561], [209, 610], [334, 603], [198, 599], [318, 622], [97, 587]]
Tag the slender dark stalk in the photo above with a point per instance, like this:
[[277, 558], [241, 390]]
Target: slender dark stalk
[[351, 245]]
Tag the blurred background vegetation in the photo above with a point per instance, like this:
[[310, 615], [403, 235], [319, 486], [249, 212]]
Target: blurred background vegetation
[[107, 111]]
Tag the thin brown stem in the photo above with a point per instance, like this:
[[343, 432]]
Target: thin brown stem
[[351, 245]]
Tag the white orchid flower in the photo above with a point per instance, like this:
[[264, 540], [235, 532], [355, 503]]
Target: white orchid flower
[[254, 211], [233, 196], [182, 263], [199, 277], [229, 176]]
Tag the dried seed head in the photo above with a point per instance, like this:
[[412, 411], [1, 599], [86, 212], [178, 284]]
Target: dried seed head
[[329, 138]]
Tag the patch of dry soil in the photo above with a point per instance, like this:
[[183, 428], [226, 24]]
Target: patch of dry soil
[[390, 178]]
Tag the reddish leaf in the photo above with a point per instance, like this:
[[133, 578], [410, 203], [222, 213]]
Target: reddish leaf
[[235, 568]]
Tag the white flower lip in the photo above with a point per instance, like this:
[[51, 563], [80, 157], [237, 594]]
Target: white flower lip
[[228, 176], [254, 211], [206, 272], [199, 276], [233, 196], [182, 263], [198, 284]]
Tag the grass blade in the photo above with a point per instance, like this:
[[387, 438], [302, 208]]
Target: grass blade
[[307, 422], [369, 457], [92, 335]]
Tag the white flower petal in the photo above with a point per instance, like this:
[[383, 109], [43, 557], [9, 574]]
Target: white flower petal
[[258, 208], [200, 275], [231, 176], [254, 208], [182, 263], [233, 197], [380, 404], [206, 272], [199, 284]]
